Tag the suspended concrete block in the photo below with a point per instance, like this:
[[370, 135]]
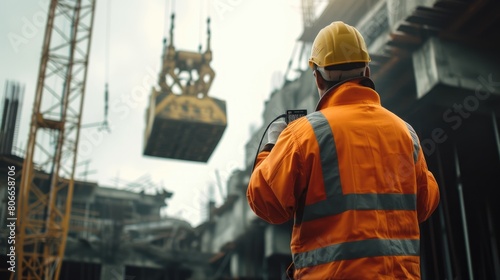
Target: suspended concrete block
[[182, 121], [184, 127]]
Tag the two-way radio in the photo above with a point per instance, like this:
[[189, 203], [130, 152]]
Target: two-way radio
[[292, 115], [289, 116]]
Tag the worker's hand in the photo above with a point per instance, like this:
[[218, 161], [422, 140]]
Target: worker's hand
[[274, 131]]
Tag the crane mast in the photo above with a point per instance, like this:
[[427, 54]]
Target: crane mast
[[46, 189]]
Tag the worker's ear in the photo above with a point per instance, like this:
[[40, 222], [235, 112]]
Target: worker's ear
[[320, 82], [367, 71]]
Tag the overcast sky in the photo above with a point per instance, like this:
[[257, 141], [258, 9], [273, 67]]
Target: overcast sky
[[251, 42]]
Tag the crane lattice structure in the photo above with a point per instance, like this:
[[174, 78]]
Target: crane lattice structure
[[46, 188]]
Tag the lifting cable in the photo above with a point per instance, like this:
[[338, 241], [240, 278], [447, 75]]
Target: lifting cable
[[172, 15], [105, 125], [172, 18], [201, 26], [165, 20], [208, 23], [207, 8]]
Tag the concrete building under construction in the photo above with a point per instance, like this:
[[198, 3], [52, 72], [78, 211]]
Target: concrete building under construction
[[434, 63], [116, 234]]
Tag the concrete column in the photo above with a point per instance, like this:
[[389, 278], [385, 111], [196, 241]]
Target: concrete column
[[200, 273], [234, 265]]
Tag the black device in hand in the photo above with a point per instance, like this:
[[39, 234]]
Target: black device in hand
[[289, 116], [292, 115]]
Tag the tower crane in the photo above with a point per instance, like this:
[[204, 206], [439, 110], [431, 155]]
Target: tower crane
[[46, 188]]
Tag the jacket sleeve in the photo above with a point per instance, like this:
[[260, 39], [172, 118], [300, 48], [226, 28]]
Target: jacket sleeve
[[276, 181], [427, 189]]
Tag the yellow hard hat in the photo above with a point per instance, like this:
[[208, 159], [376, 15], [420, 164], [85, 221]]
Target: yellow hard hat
[[338, 43]]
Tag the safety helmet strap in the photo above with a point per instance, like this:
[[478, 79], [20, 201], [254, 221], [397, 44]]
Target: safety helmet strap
[[340, 75]]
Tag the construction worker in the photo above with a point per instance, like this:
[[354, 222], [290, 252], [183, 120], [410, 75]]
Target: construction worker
[[351, 174]]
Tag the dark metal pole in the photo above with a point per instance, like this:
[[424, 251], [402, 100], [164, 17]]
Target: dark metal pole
[[490, 219], [442, 220], [493, 242], [495, 131], [462, 212]]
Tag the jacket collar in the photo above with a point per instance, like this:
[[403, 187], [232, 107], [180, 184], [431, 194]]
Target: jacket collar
[[355, 91]]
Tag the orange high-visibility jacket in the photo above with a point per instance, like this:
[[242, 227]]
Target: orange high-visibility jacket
[[354, 178]]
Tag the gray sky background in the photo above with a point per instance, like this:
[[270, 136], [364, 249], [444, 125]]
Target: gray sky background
[[251, 42]]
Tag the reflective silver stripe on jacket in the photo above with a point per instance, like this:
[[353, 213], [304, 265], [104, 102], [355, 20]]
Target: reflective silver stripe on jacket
[[414, 138], [356, 250], [369, 201]]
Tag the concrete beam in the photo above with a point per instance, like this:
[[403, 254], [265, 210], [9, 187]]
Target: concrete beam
[[400, 11], [447, 73]]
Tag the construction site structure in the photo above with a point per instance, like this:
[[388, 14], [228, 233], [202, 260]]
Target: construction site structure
[[113, 233], [10, 117], [116, 234], [182, 121]]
